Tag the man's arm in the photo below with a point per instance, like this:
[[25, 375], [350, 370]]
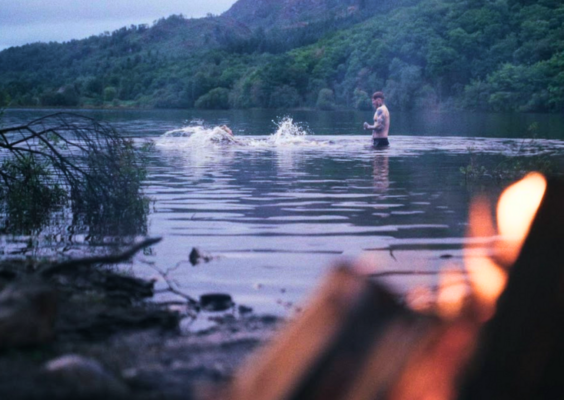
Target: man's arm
[[379, 122]]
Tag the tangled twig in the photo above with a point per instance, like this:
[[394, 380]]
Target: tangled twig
[[171, 284]]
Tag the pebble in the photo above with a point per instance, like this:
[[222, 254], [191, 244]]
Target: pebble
[[84, 378], [216, 301], [28, 311]]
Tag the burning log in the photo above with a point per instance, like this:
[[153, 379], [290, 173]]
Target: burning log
[[356, 342]]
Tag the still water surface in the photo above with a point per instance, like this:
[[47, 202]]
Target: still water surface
[[287, 199]]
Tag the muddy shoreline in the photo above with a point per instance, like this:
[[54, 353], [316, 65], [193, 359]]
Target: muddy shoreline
[[92, 332]]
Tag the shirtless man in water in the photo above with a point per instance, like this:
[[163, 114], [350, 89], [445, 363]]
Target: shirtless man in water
[[226, 129], [381, 121]]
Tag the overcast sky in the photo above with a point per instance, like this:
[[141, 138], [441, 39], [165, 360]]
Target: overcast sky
[[29, 21]]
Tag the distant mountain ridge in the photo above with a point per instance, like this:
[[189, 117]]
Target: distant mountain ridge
[[287, 14], [236, 24], [270, 14], [502, 55]]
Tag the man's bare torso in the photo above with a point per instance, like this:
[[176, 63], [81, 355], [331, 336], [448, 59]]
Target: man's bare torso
[[381, 122]]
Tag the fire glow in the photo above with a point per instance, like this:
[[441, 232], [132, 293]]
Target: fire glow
[[516, 210]]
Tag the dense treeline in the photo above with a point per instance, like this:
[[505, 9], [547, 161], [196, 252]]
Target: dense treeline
[[501, 55]]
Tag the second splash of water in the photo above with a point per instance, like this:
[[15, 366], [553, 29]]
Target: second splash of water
[[197, 134]]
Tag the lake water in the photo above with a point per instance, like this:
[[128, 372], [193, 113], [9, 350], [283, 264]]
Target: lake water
[[288, 198]]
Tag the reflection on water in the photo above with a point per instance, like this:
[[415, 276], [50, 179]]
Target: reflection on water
[[281, 205], [381, 170], [62, 231]]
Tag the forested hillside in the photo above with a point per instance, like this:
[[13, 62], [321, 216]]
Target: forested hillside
[[499, 55]]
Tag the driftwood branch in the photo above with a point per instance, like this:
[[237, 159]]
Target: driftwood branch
[[111, 259]]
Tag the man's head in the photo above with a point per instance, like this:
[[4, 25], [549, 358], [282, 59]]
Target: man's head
[[377, 99]]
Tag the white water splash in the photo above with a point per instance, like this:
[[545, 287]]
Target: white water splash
[[196, 136], [287, 134]]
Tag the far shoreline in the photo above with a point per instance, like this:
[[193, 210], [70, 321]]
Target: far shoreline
[[298, 109]]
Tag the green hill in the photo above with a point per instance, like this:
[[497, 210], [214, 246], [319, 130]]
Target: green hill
[[499, 55]]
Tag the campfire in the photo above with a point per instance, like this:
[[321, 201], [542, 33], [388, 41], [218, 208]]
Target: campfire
[[493, 330], [516, 209]]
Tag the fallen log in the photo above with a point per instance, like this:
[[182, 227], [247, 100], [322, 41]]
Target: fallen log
[[355, 341], [72, 299]]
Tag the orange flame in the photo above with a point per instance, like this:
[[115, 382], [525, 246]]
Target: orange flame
[[486, 278], [516, 209]]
